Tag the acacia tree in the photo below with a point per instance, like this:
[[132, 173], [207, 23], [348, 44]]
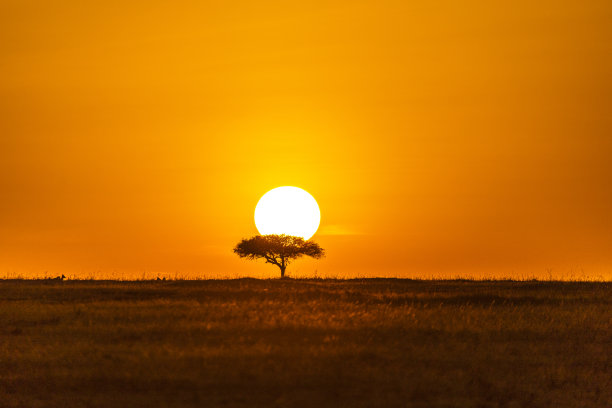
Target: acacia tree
[[278, 250]]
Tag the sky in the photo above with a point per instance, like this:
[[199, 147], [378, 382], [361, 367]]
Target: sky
[[440, 138]]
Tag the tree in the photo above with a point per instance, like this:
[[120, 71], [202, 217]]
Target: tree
[[278, 250]]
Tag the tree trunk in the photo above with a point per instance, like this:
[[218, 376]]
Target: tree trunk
[[282, 268]]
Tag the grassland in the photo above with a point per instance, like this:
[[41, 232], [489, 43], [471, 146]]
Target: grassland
[[305, 343]]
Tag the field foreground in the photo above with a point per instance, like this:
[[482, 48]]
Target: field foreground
[[305, 343]]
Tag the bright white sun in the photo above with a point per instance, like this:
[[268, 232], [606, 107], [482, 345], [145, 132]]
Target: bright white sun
[[287, 210]]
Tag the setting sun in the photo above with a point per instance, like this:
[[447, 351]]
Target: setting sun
[[287, 210]]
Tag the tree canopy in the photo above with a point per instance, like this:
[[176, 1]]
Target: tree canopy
[[278, 250]]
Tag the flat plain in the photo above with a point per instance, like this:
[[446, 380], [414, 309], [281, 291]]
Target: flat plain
[[305, 343]]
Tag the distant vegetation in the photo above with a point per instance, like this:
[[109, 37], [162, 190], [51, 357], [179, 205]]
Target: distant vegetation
[[305, 343], [278, 250]]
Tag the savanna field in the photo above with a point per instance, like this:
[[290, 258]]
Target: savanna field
[[305, 343]]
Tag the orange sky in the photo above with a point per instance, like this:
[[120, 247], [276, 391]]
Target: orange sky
[[440, 139]]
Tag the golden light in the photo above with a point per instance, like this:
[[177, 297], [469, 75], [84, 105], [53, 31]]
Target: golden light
[[287, 210]]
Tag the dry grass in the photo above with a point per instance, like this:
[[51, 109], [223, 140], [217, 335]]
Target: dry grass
[[310, 343]]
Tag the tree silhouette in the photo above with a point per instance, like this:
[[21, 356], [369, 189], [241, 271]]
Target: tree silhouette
[[278, 250]]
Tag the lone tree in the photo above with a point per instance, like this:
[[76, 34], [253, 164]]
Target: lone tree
[[278, 250]]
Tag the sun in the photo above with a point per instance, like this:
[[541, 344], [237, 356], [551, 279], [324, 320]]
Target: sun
[[287, 210]]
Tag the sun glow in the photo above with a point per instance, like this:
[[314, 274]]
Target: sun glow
[[287, 210]]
